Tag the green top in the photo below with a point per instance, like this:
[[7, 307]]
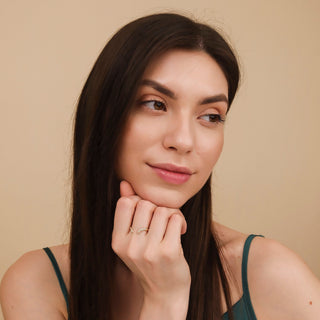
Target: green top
[[59, 275], [242, 310]]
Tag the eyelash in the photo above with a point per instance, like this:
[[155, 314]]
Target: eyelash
[[145, 103], [215, 117]]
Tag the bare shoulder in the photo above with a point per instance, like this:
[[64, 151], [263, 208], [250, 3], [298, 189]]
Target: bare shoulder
[[231, 243], [281, 285], [30, 289]]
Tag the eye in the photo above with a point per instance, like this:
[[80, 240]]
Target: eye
[[154, 105], [213, 118]]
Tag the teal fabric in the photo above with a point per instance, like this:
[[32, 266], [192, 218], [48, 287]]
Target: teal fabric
[[59, 275], [242, 310]]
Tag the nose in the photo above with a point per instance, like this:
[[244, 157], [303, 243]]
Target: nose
[[179, 136]]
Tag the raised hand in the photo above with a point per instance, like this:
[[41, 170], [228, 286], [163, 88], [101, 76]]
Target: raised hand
[[148, 240]]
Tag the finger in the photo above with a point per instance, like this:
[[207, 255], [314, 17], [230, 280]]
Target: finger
[[143, 215], [167, 213], [159, 223], [124, 214], [184, 222], [126, 189], [184, 225], [174, 230]]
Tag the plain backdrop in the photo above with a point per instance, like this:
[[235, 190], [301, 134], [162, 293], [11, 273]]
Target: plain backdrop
[[268, 178]]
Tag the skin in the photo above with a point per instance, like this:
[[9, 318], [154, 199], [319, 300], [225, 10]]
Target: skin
[[177, 129], [152, 275]]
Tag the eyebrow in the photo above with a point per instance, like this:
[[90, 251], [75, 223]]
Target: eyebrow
[[159, 87], [216, 98], [164, 90]]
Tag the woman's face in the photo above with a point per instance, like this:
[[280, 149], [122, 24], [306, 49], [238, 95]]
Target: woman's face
[[174, 135]]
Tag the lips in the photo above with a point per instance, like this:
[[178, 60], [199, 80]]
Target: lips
[[171, 173]]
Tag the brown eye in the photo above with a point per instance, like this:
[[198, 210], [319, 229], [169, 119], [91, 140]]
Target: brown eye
[[154, 105], [212, 118]]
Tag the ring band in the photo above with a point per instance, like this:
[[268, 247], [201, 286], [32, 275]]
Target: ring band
[[132, 230], [139, 230]]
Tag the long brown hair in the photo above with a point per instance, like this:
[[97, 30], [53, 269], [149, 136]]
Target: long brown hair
[[102, 113]]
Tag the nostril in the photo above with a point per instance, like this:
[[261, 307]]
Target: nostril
[[179, 137]]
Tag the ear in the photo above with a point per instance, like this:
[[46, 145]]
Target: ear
[[126, 189]]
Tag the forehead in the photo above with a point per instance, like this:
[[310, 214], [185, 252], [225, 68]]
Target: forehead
[[185, 67]]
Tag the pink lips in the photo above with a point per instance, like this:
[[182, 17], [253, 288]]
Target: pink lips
[[171, 173]]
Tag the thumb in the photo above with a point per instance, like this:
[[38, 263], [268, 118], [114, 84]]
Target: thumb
[[126, 189]]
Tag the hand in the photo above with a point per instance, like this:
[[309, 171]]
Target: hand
[[154, 256]]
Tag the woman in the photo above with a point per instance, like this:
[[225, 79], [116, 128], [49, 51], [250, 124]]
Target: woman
[[148, 132]]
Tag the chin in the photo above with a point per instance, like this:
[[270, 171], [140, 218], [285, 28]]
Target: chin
[[163, 197]]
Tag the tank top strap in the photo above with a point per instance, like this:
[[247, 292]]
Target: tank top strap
[[244, 273], [58, 274]]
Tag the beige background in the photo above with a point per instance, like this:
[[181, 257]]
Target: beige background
[[268, 178]]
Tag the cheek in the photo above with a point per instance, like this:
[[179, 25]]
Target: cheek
[[140, 133], [210, 152], [138, 138]]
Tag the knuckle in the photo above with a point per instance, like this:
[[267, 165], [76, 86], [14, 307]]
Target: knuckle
[[150, 256], [175, 217], [178, 218], [169, 254], [145, 205], [162, 212], [135, 199], [177, 213], [169, 213], [124, 202], [116, 244], [115, 247], [127, 203], [132, 253]]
